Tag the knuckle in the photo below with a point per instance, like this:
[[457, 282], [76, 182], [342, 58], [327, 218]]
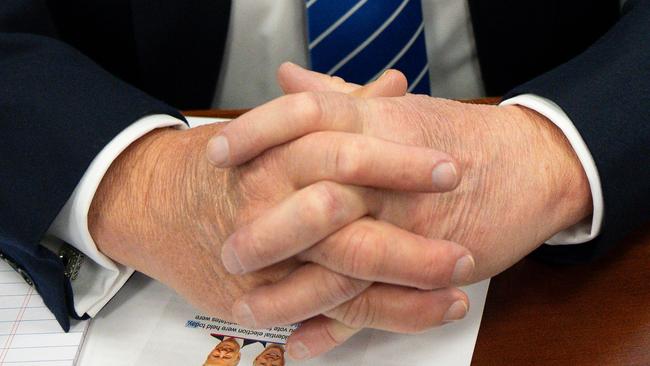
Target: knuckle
[[331, 336], [345, 288], [324, 201], [359, 313], [339, 288], [309, 105], [348, 161], [360, 241]]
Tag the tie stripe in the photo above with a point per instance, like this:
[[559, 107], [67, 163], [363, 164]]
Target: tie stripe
[[359, 39], [329, 11], [370, 47], [401, 53], [351, 36], [338, 22], [418, 83]]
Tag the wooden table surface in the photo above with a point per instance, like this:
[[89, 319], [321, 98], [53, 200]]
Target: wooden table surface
[[593, 314], [542, 314]]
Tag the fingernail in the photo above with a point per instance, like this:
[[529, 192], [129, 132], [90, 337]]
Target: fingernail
[[297, 350], [384, 73], [463, 270], [230, 259], [288, 64], [218, 150], [456, 311], [244, 316], [294, 65], [444, 176]]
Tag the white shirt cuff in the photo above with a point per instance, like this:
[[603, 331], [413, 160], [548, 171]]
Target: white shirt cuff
[[588, 229], [99, 277]]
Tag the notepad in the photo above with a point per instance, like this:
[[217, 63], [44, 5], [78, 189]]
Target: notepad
[[147, 324], [29, 333]]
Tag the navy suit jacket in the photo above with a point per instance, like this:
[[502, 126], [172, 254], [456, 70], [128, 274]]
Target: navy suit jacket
[[74, 73]]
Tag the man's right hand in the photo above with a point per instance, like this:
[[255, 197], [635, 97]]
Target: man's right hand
[[164, 210]]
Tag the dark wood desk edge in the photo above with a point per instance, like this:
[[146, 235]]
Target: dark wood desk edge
[[216, 113], [234, 113]]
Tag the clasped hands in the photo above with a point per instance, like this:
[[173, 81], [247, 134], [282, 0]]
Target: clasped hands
[[340, 206]]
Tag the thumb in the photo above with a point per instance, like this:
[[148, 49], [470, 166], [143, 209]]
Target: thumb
[[392, 83], [295, 79]]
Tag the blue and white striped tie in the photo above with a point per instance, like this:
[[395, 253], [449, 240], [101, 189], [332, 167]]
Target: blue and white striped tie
[[359, 39]]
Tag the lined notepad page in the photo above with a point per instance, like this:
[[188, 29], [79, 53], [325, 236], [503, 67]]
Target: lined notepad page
[[29, 333]]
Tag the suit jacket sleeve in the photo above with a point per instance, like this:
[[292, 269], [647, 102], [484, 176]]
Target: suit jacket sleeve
[[606, 93], [57, 111]]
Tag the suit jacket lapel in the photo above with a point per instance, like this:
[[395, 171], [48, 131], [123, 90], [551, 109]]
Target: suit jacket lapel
[[180, 45]]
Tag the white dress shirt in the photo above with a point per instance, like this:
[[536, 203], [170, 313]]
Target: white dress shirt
[[274, 31]]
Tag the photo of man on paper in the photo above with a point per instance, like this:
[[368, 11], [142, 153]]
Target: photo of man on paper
[[225, 353], [233, 351], [273, 355]]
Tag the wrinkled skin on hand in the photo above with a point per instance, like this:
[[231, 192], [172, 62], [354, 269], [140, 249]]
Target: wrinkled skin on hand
[[173, 210], [521, 179], [521, 184]]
